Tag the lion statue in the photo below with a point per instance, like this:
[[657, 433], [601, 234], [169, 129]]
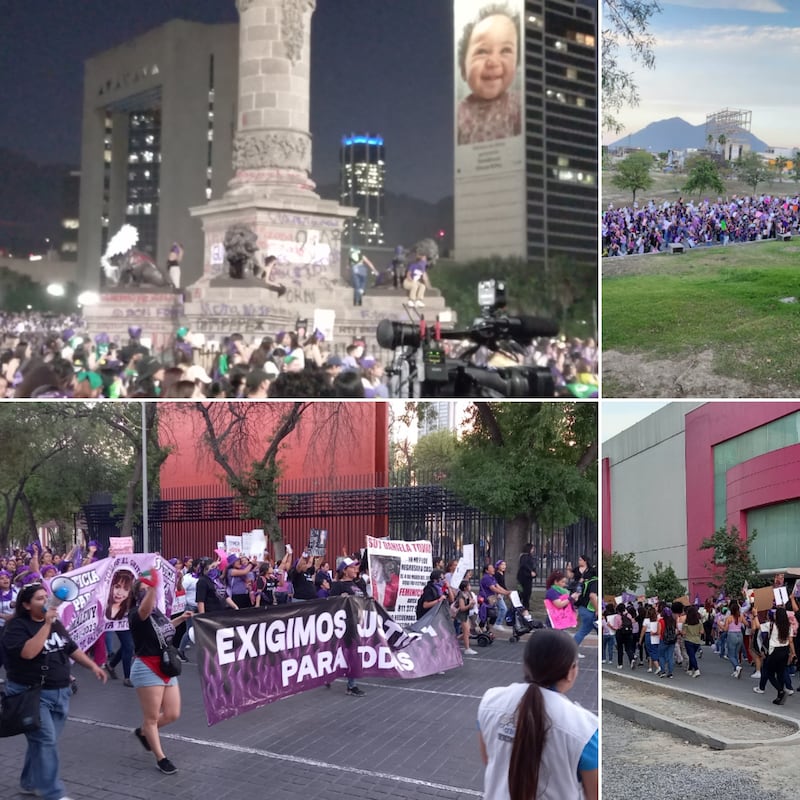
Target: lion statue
[[241, 253]]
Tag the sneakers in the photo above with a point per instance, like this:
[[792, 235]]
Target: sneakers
[[112, 673], [412, 303], [31, 792], [128, 682], [356, 692], [167, 767], [142, 738], [470, 652], [756, 674], [182, 655], [789, 691], [604, 662], [780, 699], [619, 666], [649, 669], [757, 690], [581, 655], [737, 673], [695, 674], [420, 304]]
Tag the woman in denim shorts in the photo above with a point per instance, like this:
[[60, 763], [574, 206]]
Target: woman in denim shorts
[[159, 695]]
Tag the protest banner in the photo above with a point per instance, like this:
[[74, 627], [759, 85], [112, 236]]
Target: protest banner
[[103, 599], [252, 657], [398, 573]]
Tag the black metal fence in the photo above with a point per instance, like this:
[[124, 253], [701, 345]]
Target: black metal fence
[[423, 511]]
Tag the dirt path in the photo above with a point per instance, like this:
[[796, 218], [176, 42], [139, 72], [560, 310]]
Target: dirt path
[[636, 375]]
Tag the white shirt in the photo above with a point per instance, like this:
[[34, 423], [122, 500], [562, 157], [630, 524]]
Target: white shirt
[[571, 728], [190, 587], [5, 605]]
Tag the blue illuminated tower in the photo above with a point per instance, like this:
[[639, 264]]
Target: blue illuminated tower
[[361, 185]]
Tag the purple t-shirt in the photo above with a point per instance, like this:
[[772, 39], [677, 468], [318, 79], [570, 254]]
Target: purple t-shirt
[[487, 581]]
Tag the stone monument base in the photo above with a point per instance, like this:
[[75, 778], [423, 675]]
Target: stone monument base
[[218, 310], [157, 313]]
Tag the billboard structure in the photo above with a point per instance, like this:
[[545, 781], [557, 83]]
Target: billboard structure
[[490, 121]]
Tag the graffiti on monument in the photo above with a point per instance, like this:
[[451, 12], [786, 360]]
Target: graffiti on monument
[[145, 312], [304, 254]]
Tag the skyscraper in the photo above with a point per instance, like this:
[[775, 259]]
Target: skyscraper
[[362, 180], [526, 133], [158, 117]]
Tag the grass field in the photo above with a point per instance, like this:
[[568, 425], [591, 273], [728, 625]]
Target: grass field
[[721, 302]]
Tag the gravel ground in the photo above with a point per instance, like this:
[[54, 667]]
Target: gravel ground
[[638, 762], [718, 719]]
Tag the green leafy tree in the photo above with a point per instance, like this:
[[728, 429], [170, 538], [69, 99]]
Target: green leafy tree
[[664, 583], [703, 175], [732, 562], [633, 172], [529, 463], [621, 573], [626, 28], [66, 452], [434, 454], [796, 166], [722, 140], [752, 170]]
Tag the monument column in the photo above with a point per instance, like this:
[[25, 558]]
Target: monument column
[[272, 145]]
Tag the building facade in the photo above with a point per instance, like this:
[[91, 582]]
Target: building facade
[[159, 114], [362, 182], [674, 478], [531, 191]]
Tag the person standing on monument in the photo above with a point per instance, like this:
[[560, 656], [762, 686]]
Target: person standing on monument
[[360, 266], [174, 264]]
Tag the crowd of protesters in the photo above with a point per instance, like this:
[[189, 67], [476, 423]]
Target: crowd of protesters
[[663, 637], [41, 359], [652, 228]]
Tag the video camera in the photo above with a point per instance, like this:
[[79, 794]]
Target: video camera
[[422, 369]]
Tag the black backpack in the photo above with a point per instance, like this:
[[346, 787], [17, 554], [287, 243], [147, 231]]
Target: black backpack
[[627, 623], [670, 634]]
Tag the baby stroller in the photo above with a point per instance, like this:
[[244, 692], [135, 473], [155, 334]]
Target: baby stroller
[[523, 622]]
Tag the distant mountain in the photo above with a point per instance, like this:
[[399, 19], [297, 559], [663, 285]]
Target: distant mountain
[[677, 134]]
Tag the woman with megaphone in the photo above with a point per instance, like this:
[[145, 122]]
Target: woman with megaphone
[[37, 650]]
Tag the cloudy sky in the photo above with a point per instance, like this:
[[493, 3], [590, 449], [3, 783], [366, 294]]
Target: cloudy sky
[[716, 54]]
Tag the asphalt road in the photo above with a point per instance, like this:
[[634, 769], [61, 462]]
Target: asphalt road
[[404, 739]]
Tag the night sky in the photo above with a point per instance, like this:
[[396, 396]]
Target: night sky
[[382, 66]]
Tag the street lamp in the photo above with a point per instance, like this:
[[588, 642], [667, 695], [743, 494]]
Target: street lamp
[[56, 290]]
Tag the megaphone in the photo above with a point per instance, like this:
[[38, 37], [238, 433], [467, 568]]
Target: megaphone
[[62, 590]]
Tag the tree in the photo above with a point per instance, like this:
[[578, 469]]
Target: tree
[[54, 456], [627, 24], [233, 430], [751, 170], [722, 139], [664, 583], [529, 463], [633, 172], [732, 561], [780, 166], [434, 454], [796, 166], [621, 573], [703, 174]]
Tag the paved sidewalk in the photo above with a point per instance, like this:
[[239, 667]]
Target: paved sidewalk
[[715, 681], [412, 740]]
